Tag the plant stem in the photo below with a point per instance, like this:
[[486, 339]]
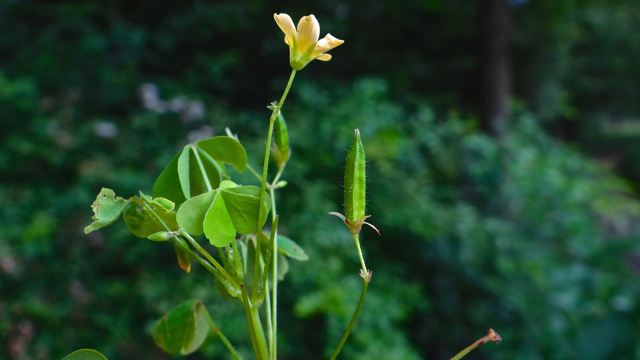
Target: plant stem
[[269, 319], [195, 256], [204, 173], [367, 278], [274, 304], [223, 338], [208, 257], [491, 336], [260, 339], [247, 312], [356, 238], [353, 320], [194, 243], [263, 185], [254, 172]]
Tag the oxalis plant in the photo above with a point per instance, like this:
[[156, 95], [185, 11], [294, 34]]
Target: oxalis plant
[[195, 195]]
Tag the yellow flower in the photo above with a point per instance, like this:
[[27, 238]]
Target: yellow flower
[[303, 42]]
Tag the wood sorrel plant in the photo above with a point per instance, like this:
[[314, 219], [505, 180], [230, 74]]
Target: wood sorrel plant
[[195, 195]]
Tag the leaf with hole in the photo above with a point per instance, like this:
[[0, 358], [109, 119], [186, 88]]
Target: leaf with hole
[[107, 209]]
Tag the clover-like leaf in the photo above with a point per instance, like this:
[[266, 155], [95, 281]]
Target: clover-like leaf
[[225, 149], [183, 178], [193, 211], [183, 329], [242, 205], [168, 183], [218, 225], [85, 354], [107, 209]]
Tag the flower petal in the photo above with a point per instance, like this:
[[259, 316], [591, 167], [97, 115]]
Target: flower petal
[[324, 57], [308, 32], [286, 25], [325, 44]]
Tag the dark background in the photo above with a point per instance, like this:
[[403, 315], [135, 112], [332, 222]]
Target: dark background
[[502, 140]]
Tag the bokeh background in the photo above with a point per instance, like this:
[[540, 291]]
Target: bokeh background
[[503, 145]]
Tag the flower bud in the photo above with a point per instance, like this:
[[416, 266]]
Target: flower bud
[[160, 236]]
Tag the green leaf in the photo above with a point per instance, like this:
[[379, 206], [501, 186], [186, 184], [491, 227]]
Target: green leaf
[[242, 205], [214, 168], [183, 178], [85, 354], [283, 266], [183, 172], [142, 223], [288, 247], [227, 184], [184, 259], [107, 209], [211, 169], [183, 329], [218, 226], [192, 213], [168, 183], [159, 203], [225, 149]]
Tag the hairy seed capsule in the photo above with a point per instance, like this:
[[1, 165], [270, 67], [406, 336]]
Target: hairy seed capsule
[[355, 182]]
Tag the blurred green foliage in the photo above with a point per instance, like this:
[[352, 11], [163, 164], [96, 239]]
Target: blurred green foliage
[[522, 234]]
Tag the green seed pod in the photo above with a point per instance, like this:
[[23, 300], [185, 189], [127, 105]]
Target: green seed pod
[[280, 149], [160, 236], [355, 182]]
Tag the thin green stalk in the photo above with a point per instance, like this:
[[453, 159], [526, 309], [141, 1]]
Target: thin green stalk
[[267, 261], [223, 256], [195, 256], [265, 167], [491, 336], [353, 320], [260, 339], [366, 275], [247, 312], [254, 172], [208, 256], [274, 247], [269, 319], [275, 180], [204, 173], [194, 243], [356, 238], [223, 338]]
